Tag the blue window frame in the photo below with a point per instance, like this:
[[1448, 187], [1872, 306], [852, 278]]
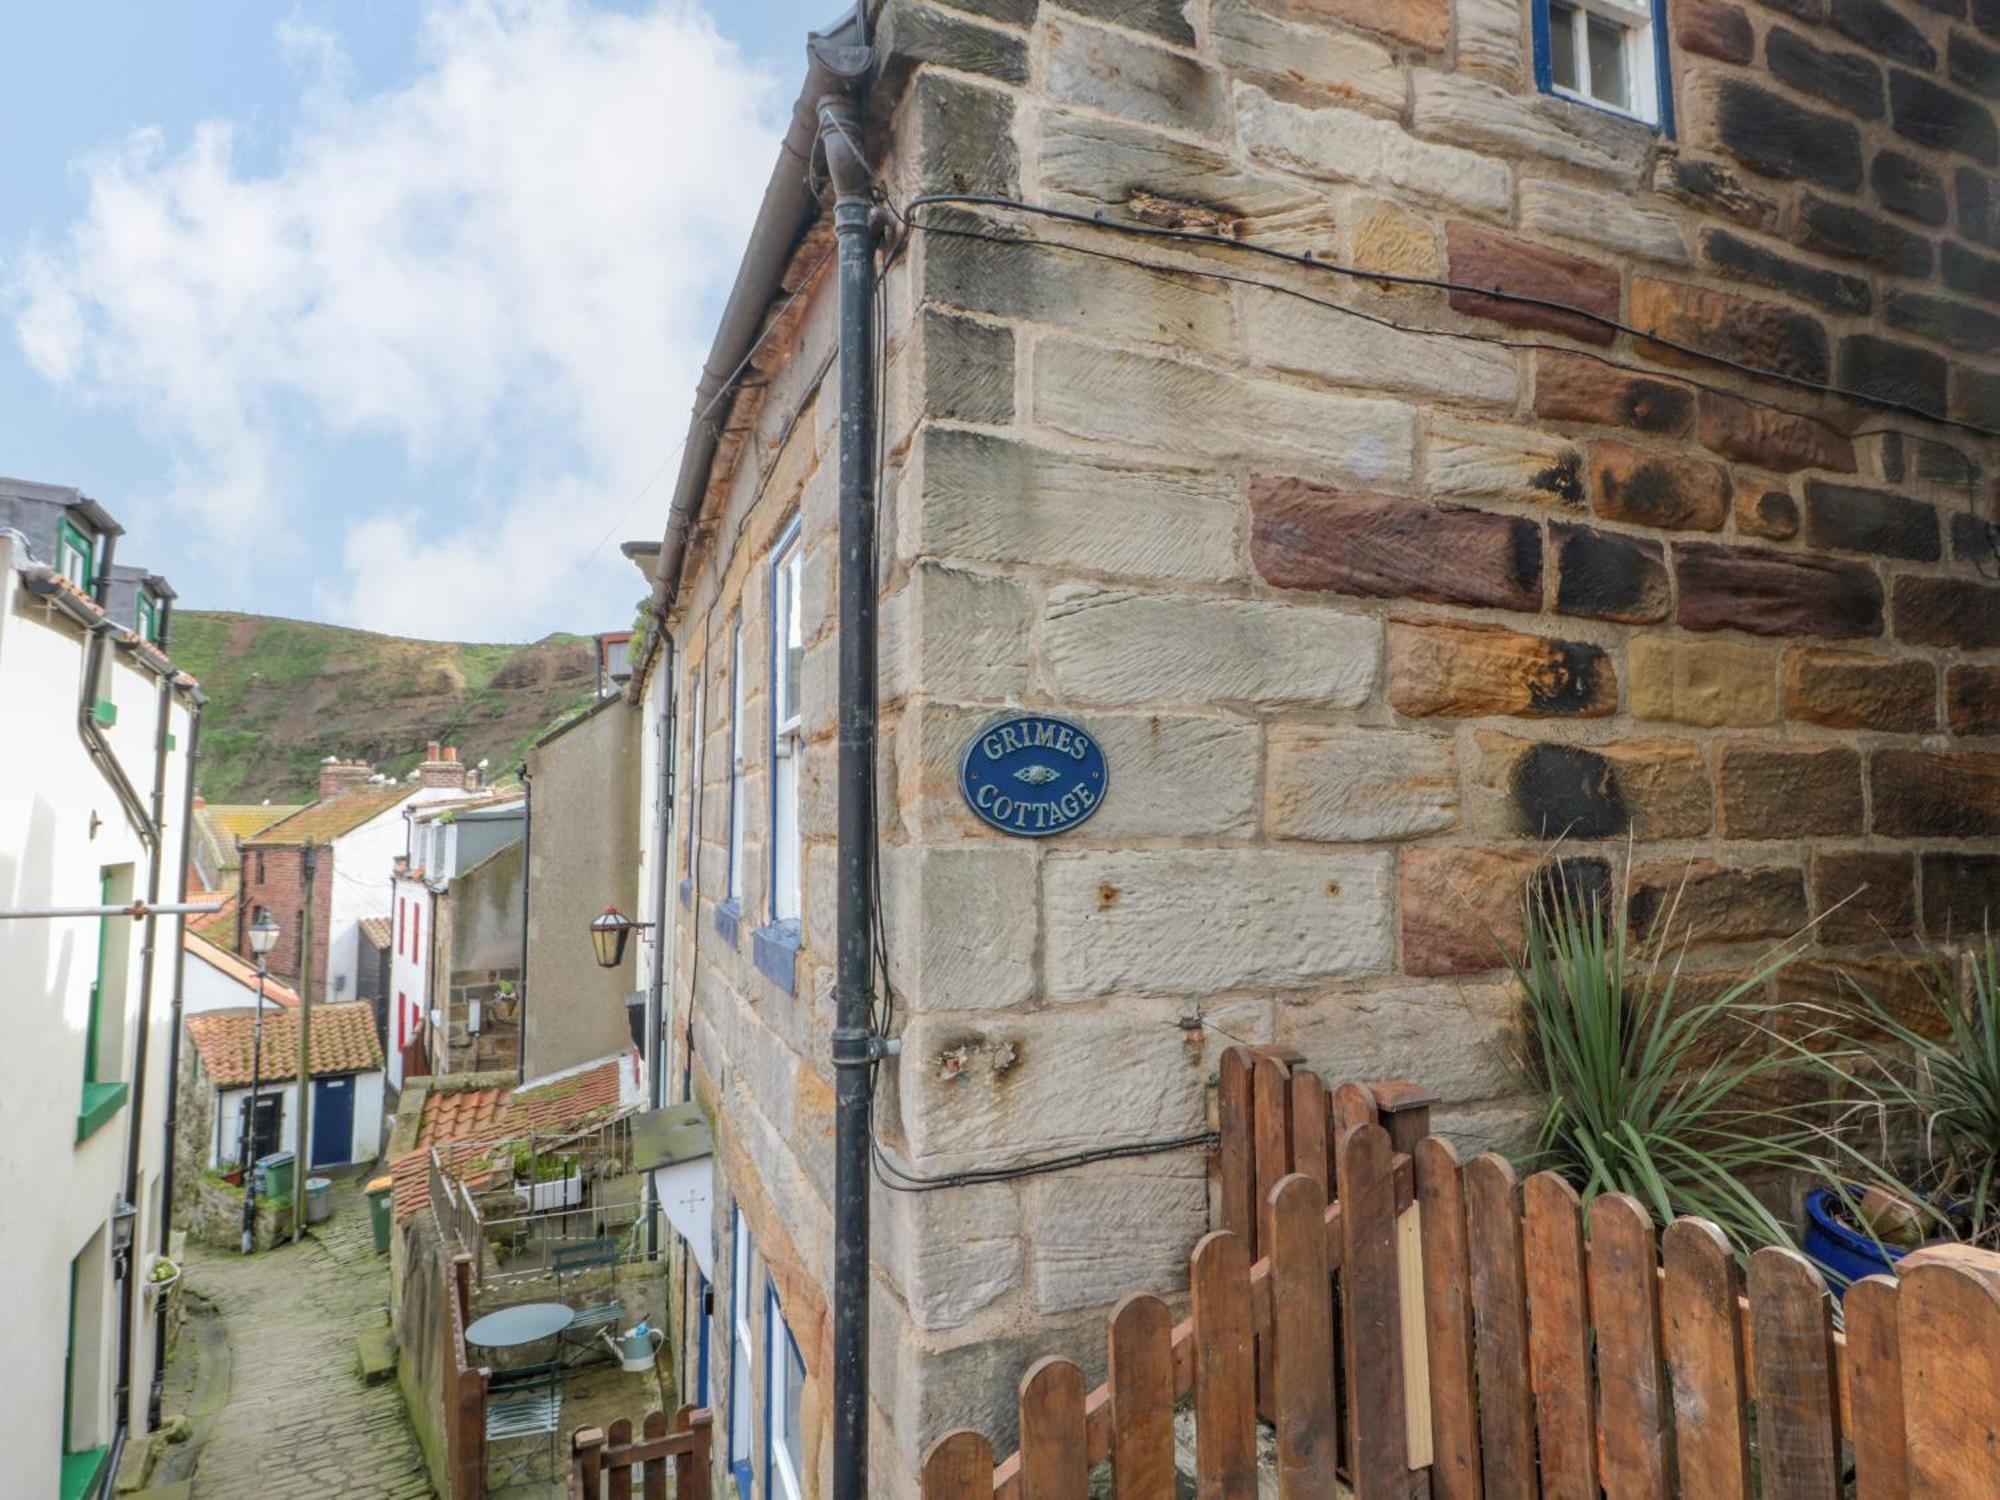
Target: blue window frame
[[785, 1377], [697, 716], [1608, 54], [742, 1355], [787, 744]]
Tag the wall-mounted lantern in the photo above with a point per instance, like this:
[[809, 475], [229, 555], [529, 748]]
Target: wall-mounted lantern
[[609, 934]]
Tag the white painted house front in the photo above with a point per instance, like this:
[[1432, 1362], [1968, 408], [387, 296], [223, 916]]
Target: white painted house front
[[95, 726], [346, 1081]]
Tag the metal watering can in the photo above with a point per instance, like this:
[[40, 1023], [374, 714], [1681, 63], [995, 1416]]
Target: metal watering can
[[636, 1347]]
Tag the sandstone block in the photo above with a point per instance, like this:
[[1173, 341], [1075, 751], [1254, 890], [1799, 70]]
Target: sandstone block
[[1787, 792], [1305, 536], [1248, 38], [1349, 146], [1103, 1230], [1610, 221], [1456, 1039], [1772, 593], [1972, 699], [1576, 388], [1383, 236], [1467, 671], [953, 632], [1521, 268], [1764, 335], [1080, 294], [968, 369], [1709, 903], [1491, 38], [965, 139], [1116, 646], [1716, 30], [995, 1090], [1857, 519], [1477, 461], [1466, 109], [1893, 371], [1094, 392], [1608, 576], [1860, 896], [992, 499], [1961, 895], [960, 965], [1770, 134], [1739, 259], [952, 1254], [1655, 489], [1709, 683], [1936, 793], [1283, 333], [1105, 70], [1946, 612], [1462, 907], [1858, 690], [1421, 23], [1194, 921], [1647, 789], [1764, 509], [1770, 439], [1358, 785]]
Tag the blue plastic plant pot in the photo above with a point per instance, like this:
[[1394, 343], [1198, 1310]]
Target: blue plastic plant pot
[[1843, 1254]]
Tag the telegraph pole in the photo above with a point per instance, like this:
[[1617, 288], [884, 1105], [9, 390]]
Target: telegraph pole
[[310, 870]]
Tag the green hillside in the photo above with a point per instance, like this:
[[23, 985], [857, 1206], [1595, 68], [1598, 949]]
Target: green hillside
[[285, 694]]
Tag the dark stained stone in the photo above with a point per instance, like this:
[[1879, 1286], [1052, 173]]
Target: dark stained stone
[[1974, 65], [1735, 256], [1787, 792], [1842, 230], [1657, 489], [1748, 330], [1960, 325], [1567, 791], [1961, 894], [1860, 896], [1713, 904], [1751, 432], [1908, 187], [1772, 135], [1951, 612], [1855, 519], [1976, 396], [1775, 593], [1711, 186], [1848, 689], [1932, 115], [1607, 576], [1884, 31], [1972, 700], [1936, 793], [1889, 371], [1973, 274], [1846, 79], [1978, 206], [1305, 536]]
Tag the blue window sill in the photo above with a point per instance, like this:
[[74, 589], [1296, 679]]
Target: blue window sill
[[776, 950], [82, 1472], [728, 918], [100, 1102]]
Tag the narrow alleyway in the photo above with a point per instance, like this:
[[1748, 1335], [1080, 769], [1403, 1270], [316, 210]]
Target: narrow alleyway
[[286, 1415]]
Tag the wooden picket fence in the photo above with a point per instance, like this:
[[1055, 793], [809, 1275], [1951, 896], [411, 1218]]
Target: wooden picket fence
[[604, 1463], [1414, 1327]]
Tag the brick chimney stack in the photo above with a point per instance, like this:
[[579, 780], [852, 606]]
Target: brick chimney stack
[[338, 777], [441, 767]]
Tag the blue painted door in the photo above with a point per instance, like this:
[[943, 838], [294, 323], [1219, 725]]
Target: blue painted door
[[332, 1121]]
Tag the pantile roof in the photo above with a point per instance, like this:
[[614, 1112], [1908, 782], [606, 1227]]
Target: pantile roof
[[343, 1041], [231, 821], [378, 931], [320, 821], [239, 969], [216, 927]]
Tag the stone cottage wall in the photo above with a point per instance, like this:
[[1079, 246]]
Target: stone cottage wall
[[1379, 596]]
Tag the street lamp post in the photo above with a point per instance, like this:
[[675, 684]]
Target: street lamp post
[[263, 938]]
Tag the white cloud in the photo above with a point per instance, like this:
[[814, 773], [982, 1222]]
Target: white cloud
[[506, 267]]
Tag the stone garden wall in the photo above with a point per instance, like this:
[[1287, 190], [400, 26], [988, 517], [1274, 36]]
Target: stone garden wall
[[1366, 618]]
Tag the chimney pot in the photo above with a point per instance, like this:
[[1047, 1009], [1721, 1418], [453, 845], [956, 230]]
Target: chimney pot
[[431, 751]]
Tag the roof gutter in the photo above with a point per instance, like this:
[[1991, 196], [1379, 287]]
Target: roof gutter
[[836, 59]]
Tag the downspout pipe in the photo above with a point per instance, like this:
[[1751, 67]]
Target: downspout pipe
[[855, 1046], [663, 843], [174, 1057], [527, 896], [94, 739]]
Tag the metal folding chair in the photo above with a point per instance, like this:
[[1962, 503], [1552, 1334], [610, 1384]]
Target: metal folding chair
[[523, 1403]]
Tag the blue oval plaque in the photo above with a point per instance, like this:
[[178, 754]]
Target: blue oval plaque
[[1033, 775]]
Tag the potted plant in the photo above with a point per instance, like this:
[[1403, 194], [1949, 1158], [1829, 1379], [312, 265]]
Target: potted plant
[[1645, 1089], [1914, 1157], [161, 1275], [545, 1182]]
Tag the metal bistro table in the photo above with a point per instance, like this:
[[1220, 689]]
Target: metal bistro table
[[524, 1402]]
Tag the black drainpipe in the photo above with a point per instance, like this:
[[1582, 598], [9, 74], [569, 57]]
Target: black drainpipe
[[174, 1055], [527, 895], [855, 1046], [663, 844]]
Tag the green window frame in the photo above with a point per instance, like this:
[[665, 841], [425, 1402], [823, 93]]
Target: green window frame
[[76, 559], [102, 1098], [82, 1469], [148, 621]]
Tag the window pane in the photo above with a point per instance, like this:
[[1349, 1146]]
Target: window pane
[[794, 641], [1607, 63], [1562, 46], [795, 1385]]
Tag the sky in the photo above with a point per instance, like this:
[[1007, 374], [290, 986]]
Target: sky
[[381, 312]]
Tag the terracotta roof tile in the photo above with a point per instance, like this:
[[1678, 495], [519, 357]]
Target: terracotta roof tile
[[321, 821], [378, 930], [343, 1041], [229, 821], [216, 927]]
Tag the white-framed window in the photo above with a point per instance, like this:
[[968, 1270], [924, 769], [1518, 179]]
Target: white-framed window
[[788, 651], [1609, 53], [742, 1351], [785, 1384], [736, 809], [698, 692]]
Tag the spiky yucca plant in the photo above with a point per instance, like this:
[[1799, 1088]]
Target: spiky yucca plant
[[1642, 1088]]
